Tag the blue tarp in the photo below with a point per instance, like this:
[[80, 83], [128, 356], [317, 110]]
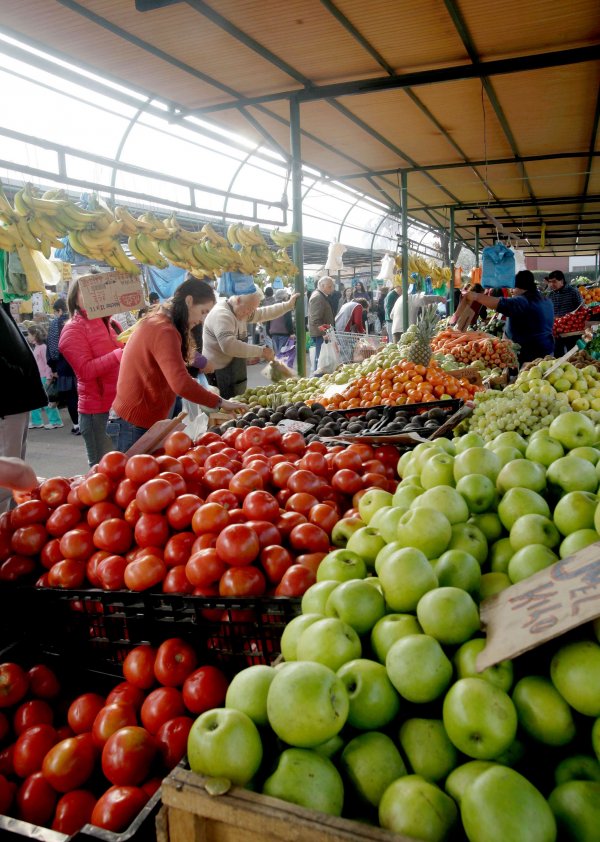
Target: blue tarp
[[164, 281]]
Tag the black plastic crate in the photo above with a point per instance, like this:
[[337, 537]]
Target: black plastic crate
[[451, 405]]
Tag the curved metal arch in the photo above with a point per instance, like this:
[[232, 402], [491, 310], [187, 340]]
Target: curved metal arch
[[122, 143], [343, 222], [238, 169], [381, 221]]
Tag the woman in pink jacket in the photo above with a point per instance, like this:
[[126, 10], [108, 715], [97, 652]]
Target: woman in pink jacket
[[91, 348]]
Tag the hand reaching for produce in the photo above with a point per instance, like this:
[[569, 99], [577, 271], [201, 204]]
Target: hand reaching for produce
[[268, 354], [233, 406], [16, 474]]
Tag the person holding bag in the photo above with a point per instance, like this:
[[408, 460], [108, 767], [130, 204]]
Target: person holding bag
[[320, 312], [37, 339]]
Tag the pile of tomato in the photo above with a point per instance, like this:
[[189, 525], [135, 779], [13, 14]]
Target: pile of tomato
[[98, 758], [247, 513]]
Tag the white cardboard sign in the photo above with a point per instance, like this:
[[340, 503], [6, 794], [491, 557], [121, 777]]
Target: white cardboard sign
[[107, 293]]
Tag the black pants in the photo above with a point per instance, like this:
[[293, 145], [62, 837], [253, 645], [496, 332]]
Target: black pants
[[233, 379], [69, 399]]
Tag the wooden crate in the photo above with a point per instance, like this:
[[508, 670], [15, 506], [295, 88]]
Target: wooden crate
[[190, 814]]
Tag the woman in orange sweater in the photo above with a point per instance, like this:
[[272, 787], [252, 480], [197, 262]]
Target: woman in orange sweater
[[153, 367]]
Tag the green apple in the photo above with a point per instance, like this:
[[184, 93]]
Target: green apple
[[518, 502], [330, 642], [225, 743], [576, 808], [331, 747], [403, 462], [385, 521], [469, 539], [293, 631], [374, 499], [457, 569], [425, 451], [463, 776], [366, 543], [343, 529], [477, 460], [510, 438], [374, 701], [466, 441], [500, 554], [577, 541], [521, 473], [389, 629], [506, 454], [307, 704], [315, 598], [446, 444], [492, 583], [306, 778], [489, 523], [386, 552], [438, 470], [528, 560], [573, 429], [341, 566], [592, 454], [478, 491], [513, 754], [501, 805], [542, 711], [415, 808], [444, 499], [465, 664], [426, 530], [427, 748], [418, 668], [448, 614], [533, 529], [248, 692], [371, 762], [596, 738], [575, 511], [575, 672], [479, 718], [570, 473], [577, 767], [405, 494], [405, 576], [544, 450], [356, 603]]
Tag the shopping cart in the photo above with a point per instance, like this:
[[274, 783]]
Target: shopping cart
[[355, 347]]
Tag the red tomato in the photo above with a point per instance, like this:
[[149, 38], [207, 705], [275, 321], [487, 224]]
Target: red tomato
[[110, 573], [203, 542], [309, 538], [73, 810], [70, 763], [55, 491], [155, 495], [78, 544], [288, 520], [110, 719], [113, 465], [176, 480], [31, 747], [365, 451], [262, 468], [138, 667], [296, 580], [171, 739], [159, 706], [311, 560], [347, 459], [36, 800], [94, 489], [281, 473], [67, 574], [237, 516], [216, 478], [113, 535], [314, 462], [251, 437], [83, 711], [145, 572], [266, 532], [304, 481], [117, 807], [6, 760], [204, 568], [207, 438], [210, 517], [126, 693], [217, 460], [14, 683], [301, 502], [29, 540], [15, 567], [374, 466], [260, 505], [175, 660], [33, 712], [324, 516], [91, 567], [169, 464], [132, 513], [316, 447], [275, 561], [178, 548], [33, 511], [242, 581], [181, 510], [224, 497], [204, 689], [100, 512], [139, 469], [125, 493], [388, 454], [238, 545], [7, 795], [293, 443], [191, 469], [272, 436], [152, 530], [177, 443], [346, 481], [4, 726], [374, 481], [244, 482], [127, 755], [176, 581]]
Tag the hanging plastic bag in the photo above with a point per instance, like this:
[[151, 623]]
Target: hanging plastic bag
[[329, 358], [276, 371], [287, 354]]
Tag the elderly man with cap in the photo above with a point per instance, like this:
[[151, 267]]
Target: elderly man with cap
[[565, 299], [225, 338]]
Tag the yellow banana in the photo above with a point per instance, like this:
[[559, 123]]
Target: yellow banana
[[179, 249], [55, 194], [246, 261], [213, 236], [76, 244], [29, 239], [136, 250], [78, 215], [93, 239], [148, 247], [166, 251], [232, 234], [9, 238], [128, 221], [124, 262], [7, 212], [21, 207]]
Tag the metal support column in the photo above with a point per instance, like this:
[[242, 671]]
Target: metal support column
[[404, 204], [596, 265], [298, 247], [451, 256], [477, 246]]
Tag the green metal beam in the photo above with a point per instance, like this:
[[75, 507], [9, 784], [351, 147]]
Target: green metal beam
[[514, 203], [404, 202], [297, 250]]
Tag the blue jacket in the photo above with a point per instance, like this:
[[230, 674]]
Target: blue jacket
[[530, 322]]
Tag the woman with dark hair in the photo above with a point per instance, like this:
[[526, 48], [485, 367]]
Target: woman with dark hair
[[530, 316], [153, 371], [91, 348], [361, 292]]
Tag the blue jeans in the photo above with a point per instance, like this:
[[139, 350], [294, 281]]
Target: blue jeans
[[122, 434], [279, 340], [318, 340], [93, 430]]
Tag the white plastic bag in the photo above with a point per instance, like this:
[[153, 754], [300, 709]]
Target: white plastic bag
[[329, 358], [197, 425]]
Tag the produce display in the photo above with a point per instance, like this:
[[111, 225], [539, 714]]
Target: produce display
[[71, 757], [571, 323], [378, 712], [468, 346], [589, 294]]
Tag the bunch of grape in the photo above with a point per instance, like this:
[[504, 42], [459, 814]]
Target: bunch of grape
[[524, 412]]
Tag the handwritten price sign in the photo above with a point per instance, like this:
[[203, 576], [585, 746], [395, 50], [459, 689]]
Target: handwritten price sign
[[541, 607], [110, 292]]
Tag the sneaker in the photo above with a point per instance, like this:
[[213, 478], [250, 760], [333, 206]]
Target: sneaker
[[36, 426], [53, 426], [75, 431]]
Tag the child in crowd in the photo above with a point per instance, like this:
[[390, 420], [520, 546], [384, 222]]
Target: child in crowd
[[37, 339]]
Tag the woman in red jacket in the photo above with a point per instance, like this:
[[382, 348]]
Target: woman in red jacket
[[91, 348]]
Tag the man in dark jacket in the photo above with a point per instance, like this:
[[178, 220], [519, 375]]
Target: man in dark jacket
[[565, 299], [22, 391], [320, 313]]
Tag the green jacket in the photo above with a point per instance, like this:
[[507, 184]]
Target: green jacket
[[388, 304]]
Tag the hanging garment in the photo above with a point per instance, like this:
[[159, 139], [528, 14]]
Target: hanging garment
[[498, 266]]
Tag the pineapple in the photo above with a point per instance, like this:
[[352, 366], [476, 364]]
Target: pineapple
[[419, 351]]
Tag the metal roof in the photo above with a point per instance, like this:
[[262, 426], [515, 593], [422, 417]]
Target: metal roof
[[484, 106]]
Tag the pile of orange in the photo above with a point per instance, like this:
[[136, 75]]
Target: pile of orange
[[406, 382], [590, 295]]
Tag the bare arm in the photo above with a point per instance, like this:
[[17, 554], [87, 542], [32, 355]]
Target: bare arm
[[481, 298]]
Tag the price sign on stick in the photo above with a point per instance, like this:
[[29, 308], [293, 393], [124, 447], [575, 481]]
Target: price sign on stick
[[107, 293], [541, 607]]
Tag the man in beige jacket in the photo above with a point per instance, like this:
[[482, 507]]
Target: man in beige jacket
[[225, 338], [320, 312]]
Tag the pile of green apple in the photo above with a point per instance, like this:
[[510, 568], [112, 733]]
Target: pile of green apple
[[580, 385], [378, 712]]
